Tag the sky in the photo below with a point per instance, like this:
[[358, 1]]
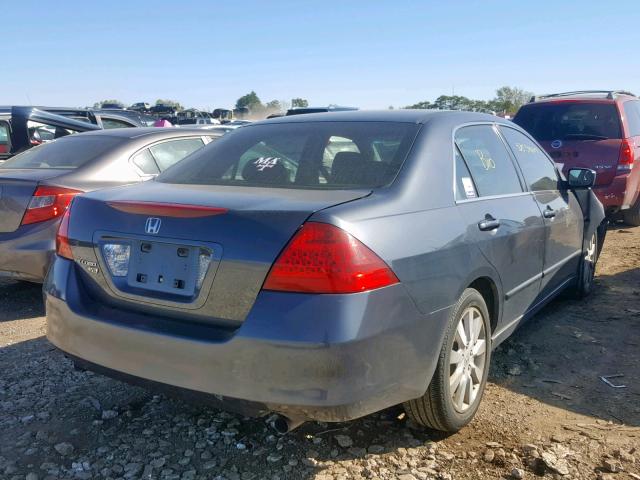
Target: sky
[[369, 54]]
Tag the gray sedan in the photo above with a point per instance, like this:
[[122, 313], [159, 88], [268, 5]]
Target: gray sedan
[[37, 185], [326, 266]]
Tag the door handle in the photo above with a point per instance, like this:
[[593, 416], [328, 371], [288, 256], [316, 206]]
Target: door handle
[[549, 213], [489, 223]]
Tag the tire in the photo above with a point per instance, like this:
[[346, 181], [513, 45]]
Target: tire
[[438, 409], [587, 268], [632, 216]]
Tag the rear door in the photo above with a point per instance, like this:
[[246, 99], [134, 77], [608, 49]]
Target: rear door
[[560, 210], [577, 134], [503, 220]]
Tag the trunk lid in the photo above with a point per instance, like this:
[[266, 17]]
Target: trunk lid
[[16, 189], [599, 155], [165, 267]]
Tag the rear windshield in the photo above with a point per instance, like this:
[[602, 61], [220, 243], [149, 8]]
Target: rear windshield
[[68, 152], [318, 155], [570, 121]]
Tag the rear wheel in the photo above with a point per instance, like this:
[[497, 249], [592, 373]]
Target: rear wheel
[[458, 383], [632, 215]]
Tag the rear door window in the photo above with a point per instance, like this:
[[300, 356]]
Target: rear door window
[[465, 188], [632, 114], [488, 161], [570, 121], [168, 153], [538, 170], [145, 162]]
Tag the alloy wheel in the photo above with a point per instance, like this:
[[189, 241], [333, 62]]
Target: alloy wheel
[[467, 359]]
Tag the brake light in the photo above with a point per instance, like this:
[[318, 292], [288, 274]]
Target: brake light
[[162, 209], [322, 258], [48, 203], [625, 160], [63, 248]]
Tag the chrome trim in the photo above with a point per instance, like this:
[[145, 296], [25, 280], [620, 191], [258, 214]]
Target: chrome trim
[[557, 265], [522, 286], [536, 305]]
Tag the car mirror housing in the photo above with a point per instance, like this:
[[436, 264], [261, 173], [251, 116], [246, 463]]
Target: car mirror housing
[[581, 178]]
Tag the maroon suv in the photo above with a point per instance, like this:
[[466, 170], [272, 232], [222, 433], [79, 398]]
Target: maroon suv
[[593, 129]]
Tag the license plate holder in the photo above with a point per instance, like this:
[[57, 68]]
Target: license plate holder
[[163, 267]]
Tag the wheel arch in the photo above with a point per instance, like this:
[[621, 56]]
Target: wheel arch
[[489, 291]]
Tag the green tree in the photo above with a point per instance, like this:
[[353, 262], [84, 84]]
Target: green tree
[[274, 105], [171, 103], [251, 101], [509, 99], [99, 104], [299, 103]]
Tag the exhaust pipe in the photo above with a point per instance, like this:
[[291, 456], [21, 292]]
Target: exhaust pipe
[[283, 425]]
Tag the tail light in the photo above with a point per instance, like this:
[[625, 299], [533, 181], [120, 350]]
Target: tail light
[[63, 248], [322, 258], [48, 203], [626, 158]]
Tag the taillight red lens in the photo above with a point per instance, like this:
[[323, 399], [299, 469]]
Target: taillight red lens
[[63, 248], [625, 160], [48, 203], [323, 258]]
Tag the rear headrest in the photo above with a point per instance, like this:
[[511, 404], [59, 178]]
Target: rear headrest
[[268, 170], [352, 168]]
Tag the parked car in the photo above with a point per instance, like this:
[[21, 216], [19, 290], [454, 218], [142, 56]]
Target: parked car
[[161, 110], [280, 274], [37, 185], [112, 106], [330, 108], [124, 119], [593, 129], [24, 127], [142, 107]]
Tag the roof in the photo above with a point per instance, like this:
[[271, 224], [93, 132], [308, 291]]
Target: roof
[[147, 132], [403, 116], [592, 95]]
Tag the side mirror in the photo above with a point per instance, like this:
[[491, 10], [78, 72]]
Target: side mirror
[[581, 178]]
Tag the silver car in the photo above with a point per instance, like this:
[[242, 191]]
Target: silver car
[[37, 185]]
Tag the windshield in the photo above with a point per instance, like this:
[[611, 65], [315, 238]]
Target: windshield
[[319, 155], [570, 121], [68, 152]]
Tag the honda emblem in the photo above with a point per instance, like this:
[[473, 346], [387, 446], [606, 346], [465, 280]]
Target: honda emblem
[[153, 225]]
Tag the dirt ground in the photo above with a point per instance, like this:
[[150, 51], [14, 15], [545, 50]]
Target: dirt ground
[[546, 412]]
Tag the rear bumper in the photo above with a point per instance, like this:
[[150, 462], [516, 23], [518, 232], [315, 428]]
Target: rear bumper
[[310, 357], [617, 195], [27, 253]]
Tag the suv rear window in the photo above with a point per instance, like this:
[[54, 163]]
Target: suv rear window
[[318, 155], [68, 152], [570, 121]]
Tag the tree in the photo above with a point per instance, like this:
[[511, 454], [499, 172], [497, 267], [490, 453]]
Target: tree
[[274, 105], [299, 103], [509, 99], [250, 101], [117, 102], [171, 103]]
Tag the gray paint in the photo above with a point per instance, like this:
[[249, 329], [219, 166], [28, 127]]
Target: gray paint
[[326, 357]]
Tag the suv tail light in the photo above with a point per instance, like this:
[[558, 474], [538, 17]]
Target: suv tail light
[[63, 248], [322, 258], [625, 160], [48, 203]]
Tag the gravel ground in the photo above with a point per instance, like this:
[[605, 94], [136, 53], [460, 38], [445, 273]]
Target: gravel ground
[[546, 412]]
